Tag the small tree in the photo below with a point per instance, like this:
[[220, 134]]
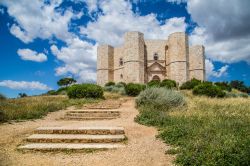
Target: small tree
[[66, 82], [21, 95]]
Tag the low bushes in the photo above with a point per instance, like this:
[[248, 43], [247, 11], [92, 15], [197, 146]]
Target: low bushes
[[208, 89], [117, 88], [154, 83], [85, 91], [160, 98], [190, 84], [133, 89], [2, 97], [110, 83], [169, 84]]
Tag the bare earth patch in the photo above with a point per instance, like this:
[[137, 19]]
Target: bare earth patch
[[142, 149]]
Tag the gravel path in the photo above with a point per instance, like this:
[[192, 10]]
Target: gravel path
[[142, 149]]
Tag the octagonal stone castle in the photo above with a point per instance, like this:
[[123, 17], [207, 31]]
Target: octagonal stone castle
[[140, 60]]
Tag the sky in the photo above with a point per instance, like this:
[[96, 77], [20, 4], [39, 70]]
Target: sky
[[43, 41]]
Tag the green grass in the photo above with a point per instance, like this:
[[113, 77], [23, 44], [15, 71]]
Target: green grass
[[36, 107], [205, 132]]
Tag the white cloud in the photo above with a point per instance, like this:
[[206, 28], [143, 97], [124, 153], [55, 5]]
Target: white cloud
[[30, 55], [211, 72], [39, 20], [223, 28], [79, 57], [117, 18], [24, 85], [177, 1]]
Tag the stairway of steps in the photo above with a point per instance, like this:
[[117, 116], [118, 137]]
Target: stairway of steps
[[81, 138], [91, 115]]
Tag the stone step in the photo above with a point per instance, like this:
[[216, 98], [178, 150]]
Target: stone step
[[74, 138], [81, 130], [66, 117], [100, 111], [69, 146], [91, 115]]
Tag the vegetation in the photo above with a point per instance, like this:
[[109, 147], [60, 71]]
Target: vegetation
[[160, 98], [66, 81], [110, 83], [169, 84], [190, 84], [224, 86], [209, 131], [239, 85], [2, 97], [133, 89], [154, 83], [21, 95], [117, 88], [85, 91], [35, 107], [208, 89]]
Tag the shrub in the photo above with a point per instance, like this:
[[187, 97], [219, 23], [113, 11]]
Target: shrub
[[115, 89], [224, 86], [154, 83], [62, 91], [243, 95], [190, 84], [133, 89], [120, 84], [109, 83], [2, 97], [168, 84], [51, 92], [85, 91], [209, 90], [160, 98]]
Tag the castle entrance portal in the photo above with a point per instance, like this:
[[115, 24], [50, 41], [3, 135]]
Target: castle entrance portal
[[156, 78]]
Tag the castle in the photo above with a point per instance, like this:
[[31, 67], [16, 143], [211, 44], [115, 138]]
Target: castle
[[140, 60]]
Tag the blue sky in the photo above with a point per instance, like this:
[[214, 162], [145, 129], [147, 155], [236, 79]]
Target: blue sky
[[43, 41]]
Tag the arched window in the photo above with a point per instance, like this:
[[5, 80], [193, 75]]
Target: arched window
[[157, 78], [121, 62], [121, 76], [156, 56]]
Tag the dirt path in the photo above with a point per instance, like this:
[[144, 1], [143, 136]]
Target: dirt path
[[142, 149]]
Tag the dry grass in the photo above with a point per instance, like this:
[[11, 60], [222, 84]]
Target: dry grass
[[36, 107]]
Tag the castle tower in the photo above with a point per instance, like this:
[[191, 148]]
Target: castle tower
[[177, 57], [105, 64], [134, 58], [197, 62]]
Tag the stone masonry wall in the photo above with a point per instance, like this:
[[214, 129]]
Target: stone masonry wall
[[178, 57], [118, 69], [197, 62]]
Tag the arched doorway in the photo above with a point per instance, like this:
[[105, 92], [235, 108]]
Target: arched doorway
[[156, 78]]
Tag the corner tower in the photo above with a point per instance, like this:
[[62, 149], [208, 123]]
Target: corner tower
[[134, 57], [105, 64], [197, 62], [177, 56]]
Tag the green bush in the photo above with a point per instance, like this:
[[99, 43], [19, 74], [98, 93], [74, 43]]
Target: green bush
[[51, 92], [154, 83], [209, 90], [133, 89], [2, 97], [120, 84], [224, 86], [160, 98], [62, 91], [244, 95], [85, 91], [190, 84], [109, 83], [167, 83], [115, 89]]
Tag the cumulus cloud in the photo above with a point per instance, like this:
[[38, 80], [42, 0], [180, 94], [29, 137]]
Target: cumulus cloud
[[223, 28], [117, 18], [39, 19], [211, 72], [30, 55], [79, 57], [24, 85]]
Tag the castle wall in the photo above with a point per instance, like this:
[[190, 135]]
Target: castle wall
[[197, 62], [105, 64], [134, 60], [118, 69], [155, 46], [178, 57]]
